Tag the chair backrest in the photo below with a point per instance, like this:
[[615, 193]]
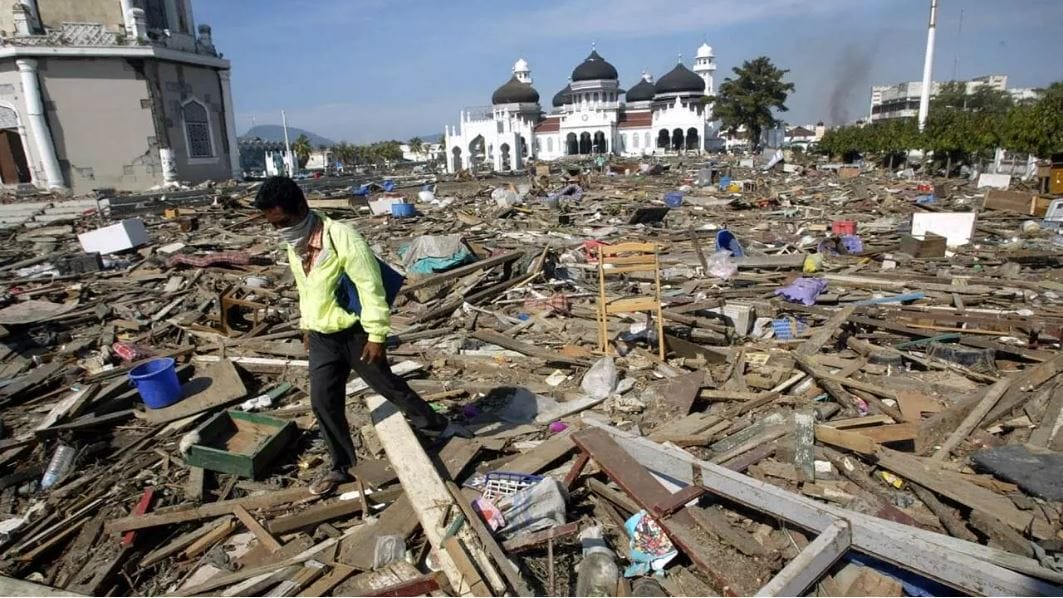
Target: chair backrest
[[627, 257]]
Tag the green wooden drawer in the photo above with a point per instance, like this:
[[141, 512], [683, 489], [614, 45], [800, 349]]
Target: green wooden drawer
[[240, 443]]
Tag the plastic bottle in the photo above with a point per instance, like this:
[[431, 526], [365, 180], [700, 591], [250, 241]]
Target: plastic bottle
[[647, 586], [62, 461], [597, 571]]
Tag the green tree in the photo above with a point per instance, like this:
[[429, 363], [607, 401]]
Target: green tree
[[750, 97], [1037, 128], [302, 148], [416, 145], [982, 98]]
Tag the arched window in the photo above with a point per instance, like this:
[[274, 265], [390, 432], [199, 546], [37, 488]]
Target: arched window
[[648, 142], [623, 141], [197, 130], [634, 140], [550, 145]]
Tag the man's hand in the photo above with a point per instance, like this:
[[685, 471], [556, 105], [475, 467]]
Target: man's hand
[[373, 352]]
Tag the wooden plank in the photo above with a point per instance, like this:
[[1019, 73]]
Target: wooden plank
[[715, 522], [262, 571], [215, 509], [973, 418], [949, 484], [194, 484], [333, 578], [675, 397], [183, 541], [822, 334], [209, 539], [858, 443], [545, 454], [804, 443], [225, 387], [420, 479], [890, 433], [321, 513], [253, 526], [9, 586], [1000, 534], [1047, 433], [964, 566], [945, 514], [1029, 379], [470, 576], [857, 422], [506, 342], [617, 498], [811, 563], [525, 541], [766, 435]]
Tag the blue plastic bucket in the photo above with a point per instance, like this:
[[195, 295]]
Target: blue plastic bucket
[[403, 210], [157, 383]]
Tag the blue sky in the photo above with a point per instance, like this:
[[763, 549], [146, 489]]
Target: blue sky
[[363, 70]]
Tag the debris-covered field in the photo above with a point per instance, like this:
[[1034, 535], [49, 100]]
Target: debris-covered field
[[860, 391]]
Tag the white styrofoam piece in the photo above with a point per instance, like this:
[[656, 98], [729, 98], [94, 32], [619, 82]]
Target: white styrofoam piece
[[956, 227], [996, 181], [127, 234], [382, 205]]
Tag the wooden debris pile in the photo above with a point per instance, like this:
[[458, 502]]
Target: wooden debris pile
[[897, 432]]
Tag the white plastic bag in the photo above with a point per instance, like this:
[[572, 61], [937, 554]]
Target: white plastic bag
[[600, 381], [722, 265]]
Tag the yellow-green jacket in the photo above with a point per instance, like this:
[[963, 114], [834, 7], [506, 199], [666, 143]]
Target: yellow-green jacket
[[342, 250]]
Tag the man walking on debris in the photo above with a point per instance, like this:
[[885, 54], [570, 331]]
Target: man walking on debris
[[320, 251]]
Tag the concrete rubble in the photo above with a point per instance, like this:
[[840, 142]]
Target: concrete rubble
[[861, 393]]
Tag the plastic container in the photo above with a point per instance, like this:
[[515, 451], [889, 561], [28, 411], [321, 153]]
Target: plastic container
[[504, 483], [597, 571], [157, 383], [403, 210], [843, 227], [673, 199], [59, 466], [786, 327]]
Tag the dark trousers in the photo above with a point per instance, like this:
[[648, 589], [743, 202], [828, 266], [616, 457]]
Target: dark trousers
[[332, 357]]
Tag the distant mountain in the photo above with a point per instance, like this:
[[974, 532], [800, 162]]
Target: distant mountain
[[434, 138], [276, 133]]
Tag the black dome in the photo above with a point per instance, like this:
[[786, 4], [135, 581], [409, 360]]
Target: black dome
[[515, 91], [562, 96], [593, 68], [680, 80], [642, 91]]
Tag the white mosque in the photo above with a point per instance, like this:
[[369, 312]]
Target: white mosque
[[591, 115]]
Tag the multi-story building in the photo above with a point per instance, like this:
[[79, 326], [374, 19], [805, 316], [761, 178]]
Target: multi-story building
[[902, 99], [120, 94], [591, 115]]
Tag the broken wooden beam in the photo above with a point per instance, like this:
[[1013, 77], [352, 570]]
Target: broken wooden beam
[[811, 563]]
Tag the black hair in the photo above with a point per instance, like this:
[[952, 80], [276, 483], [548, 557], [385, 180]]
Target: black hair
[[282, 192]]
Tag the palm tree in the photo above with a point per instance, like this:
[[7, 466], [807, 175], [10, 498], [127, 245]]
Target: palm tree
[[416, 146], [302, 147]]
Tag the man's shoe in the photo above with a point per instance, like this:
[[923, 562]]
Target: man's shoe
[[446, 432], [328, 482]]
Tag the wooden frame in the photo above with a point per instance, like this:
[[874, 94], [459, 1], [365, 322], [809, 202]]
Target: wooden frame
[[629, 257], [965, 566]]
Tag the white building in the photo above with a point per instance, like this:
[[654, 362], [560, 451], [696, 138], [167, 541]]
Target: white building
[[112, 94], [428, 151], [591, 115], [902, 99]]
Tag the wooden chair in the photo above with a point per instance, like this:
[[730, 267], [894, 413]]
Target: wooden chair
[[623, 258]]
